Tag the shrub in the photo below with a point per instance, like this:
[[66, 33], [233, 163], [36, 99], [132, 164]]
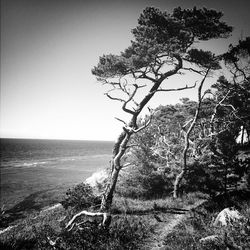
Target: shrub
[[203, 177], [144, 182], [81, 197], [199, 224]]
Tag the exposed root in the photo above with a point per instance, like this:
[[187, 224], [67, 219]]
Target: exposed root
[[105, 220]]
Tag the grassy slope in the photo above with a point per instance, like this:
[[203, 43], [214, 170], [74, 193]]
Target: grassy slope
[[136, 225], [133, 222], [198, 224]]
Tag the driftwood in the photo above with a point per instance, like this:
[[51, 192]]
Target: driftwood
[[106, 217]]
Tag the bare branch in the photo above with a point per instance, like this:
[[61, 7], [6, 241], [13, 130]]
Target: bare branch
[[205, 93], [125, 102], [120, 120], [133, 145], [143, 75], [114, 98], [200, 72], [177, 89], [240, 70], [142, 127], [228, 105], [127, 164], [70, 223], [215, 111], [188, 122], [175, 70]]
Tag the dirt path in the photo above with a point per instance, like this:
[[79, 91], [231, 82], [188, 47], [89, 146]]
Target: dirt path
[[166, 227]]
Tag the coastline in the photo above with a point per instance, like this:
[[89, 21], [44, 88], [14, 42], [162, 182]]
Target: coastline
[[45, 200]]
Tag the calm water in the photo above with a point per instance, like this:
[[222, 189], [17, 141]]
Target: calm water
[[37, 173]]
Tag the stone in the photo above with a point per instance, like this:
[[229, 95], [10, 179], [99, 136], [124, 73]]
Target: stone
[[227, 216]]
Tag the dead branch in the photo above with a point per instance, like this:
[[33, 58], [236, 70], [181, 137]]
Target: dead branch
[[187, 123], [200, 72], [125, 102], [216, 110], [177, 89], [105, 216], [127, 165], [228, 105], [120, 120], [133, 145]]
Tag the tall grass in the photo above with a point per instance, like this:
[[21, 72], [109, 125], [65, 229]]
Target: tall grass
[[133, 222], [199, 224]]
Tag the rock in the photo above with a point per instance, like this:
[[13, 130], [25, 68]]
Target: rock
[[227, 216]]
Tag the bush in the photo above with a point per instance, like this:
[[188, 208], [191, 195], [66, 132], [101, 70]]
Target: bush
[[80, 197], [203, 177], [144, 182]]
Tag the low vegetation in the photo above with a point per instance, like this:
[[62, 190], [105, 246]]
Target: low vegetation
[[199, 224], [133, 222]]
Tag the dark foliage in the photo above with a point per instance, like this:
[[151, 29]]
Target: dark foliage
[[80, 197]]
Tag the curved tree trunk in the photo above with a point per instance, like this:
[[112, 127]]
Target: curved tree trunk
[[129, 129], [108, 194], [181, 175], [118, 152]]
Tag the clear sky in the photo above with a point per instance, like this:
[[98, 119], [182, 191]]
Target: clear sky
[[48, 48]]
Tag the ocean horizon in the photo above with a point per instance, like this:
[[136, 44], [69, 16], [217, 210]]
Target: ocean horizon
[[36, 173]]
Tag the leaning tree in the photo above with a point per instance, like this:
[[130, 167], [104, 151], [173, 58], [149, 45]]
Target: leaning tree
[[163, 47]]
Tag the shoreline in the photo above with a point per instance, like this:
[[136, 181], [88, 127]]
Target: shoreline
[[45, 200]]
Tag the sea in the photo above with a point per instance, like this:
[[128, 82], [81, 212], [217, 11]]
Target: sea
[[37, 173]]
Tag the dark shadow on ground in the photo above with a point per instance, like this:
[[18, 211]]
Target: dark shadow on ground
[[19, 211], [153, 210]]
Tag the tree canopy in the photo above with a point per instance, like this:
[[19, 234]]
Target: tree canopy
[[160, 34]]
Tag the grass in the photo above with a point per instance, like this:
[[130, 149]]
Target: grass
[[133, 222], [198, 225], [126, 232], [138, 206]]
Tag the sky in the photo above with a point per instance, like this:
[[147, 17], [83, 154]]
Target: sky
[[48, 48]]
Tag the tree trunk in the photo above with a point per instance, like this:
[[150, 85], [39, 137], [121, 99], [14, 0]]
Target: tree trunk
[[109, 191], [129, 129], [177, 183], [180, 176], [118, 152]]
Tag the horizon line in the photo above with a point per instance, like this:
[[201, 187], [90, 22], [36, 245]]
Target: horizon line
[[55, 139]]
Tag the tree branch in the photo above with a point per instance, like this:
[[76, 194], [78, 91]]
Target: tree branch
[[120, 120], [175, 70], [177, 89], [200, 72], [215, 111]]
